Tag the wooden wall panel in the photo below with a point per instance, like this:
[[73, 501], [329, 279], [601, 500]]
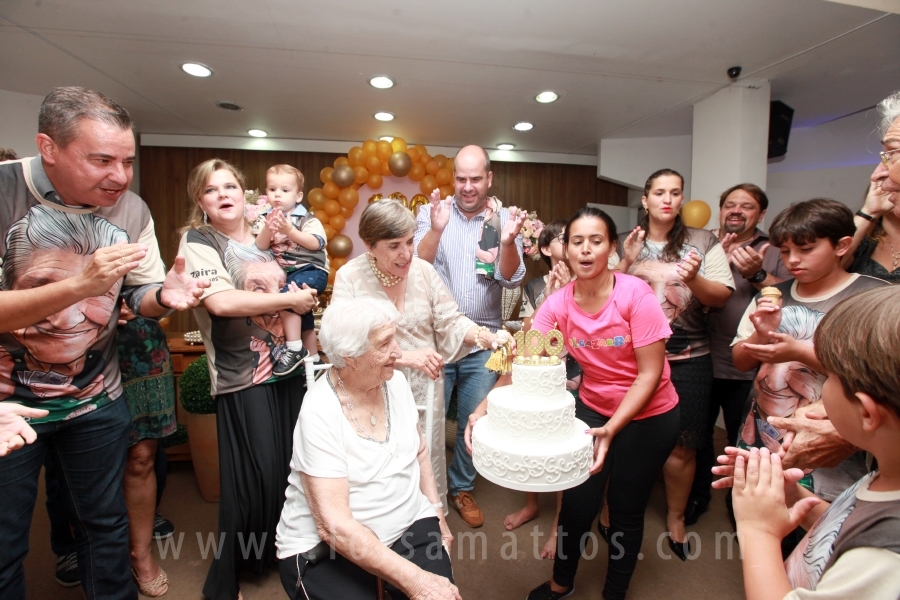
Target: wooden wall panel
[[554, 191]]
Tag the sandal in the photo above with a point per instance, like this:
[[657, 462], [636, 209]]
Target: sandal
[[155, 587]]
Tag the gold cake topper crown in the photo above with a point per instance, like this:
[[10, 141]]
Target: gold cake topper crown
[[534, 343]]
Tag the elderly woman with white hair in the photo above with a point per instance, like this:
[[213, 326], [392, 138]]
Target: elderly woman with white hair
[[875, 249], [362, 513], [431, 330]]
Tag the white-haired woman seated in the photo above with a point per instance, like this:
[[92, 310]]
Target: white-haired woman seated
[[361, 500]]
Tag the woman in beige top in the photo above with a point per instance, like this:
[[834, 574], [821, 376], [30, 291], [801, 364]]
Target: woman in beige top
[[431, 331]]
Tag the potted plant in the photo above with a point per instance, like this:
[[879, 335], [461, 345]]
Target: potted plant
[[202, 437]]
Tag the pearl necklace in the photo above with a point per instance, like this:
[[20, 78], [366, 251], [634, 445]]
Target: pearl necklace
[[385, 279]]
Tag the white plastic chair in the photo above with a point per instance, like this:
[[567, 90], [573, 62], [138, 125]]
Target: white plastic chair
[[429, 415], [311, 368]]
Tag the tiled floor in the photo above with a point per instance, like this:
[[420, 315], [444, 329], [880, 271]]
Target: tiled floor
[[506, 570]]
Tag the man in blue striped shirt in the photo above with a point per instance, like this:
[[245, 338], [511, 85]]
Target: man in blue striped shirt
[[451, 234]]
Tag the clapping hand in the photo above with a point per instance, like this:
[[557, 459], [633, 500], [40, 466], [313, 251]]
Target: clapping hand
[[631, 247], [276, 221], [513, 226], [747, 260], [759, 496], [728, 242], [440, 211], [689, 266], [558, 278]]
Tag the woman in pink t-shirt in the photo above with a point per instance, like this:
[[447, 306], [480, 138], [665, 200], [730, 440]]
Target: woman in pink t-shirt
[[615, 329]]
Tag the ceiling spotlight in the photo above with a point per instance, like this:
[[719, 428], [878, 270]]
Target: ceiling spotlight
[[505, 146], [386, 138], [381, 82], [257, 133], [546, 97], [384, 116], [196, 69], [228, 105], [523, 126]]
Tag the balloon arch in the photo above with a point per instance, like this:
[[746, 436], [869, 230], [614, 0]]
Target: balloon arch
[[366, 167]]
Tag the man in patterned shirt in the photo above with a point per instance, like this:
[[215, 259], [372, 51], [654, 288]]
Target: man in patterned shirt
[[448, 233]]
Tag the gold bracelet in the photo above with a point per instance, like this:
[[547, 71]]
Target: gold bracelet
[[478, 343]]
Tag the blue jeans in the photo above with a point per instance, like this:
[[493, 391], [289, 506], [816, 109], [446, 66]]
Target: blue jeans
[[473, 381], [88, 454], [315, 278]]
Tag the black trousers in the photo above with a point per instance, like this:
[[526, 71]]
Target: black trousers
[[255, 428], [337, 577], [635, 457], [731, 396]]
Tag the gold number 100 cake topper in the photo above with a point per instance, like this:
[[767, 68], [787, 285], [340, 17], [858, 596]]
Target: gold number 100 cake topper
[[534, 343]]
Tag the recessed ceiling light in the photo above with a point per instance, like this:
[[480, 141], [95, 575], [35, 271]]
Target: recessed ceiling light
[[257, 133], [523, 126], [384, 116], [228, 105], [505, 146], [386, 138], [196, 69], [381, 82], [546, 97]]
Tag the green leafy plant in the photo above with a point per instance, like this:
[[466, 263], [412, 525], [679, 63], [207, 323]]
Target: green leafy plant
[[194, 386]]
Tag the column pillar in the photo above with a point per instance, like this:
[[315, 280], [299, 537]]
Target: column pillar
[[730, 141]]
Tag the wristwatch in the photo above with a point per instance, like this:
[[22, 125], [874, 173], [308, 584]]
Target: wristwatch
[[758, 277]]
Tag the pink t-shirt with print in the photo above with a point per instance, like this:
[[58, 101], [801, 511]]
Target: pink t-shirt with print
[[604, 343]]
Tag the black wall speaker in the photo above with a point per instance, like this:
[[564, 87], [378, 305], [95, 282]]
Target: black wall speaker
[[780, 117]]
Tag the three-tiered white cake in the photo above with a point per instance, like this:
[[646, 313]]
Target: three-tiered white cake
[[530, 439]]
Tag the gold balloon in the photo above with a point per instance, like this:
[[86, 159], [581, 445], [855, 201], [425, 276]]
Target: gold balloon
[[696, 213], [417, 201], [340, 246], [375, 198], [343, 175], [383, 150], [400, 163], [399, 197], [398, 144], [348, 198]]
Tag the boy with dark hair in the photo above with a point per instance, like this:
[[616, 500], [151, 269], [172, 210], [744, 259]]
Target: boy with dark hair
[[776, 334], [852, 549]]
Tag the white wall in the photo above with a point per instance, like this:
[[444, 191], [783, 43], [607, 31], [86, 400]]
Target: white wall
[[629, 161], [730, 135], [845, 184], [18, 121], [831, 160]]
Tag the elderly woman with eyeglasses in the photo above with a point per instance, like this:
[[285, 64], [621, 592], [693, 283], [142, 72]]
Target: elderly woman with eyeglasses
[[876, 245], [362, 511]]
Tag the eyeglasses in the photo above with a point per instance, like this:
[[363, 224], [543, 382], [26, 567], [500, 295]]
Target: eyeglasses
[[561, 238], [885, 157]]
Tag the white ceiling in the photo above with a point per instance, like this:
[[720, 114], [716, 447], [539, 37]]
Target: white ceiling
[[466, 71]]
